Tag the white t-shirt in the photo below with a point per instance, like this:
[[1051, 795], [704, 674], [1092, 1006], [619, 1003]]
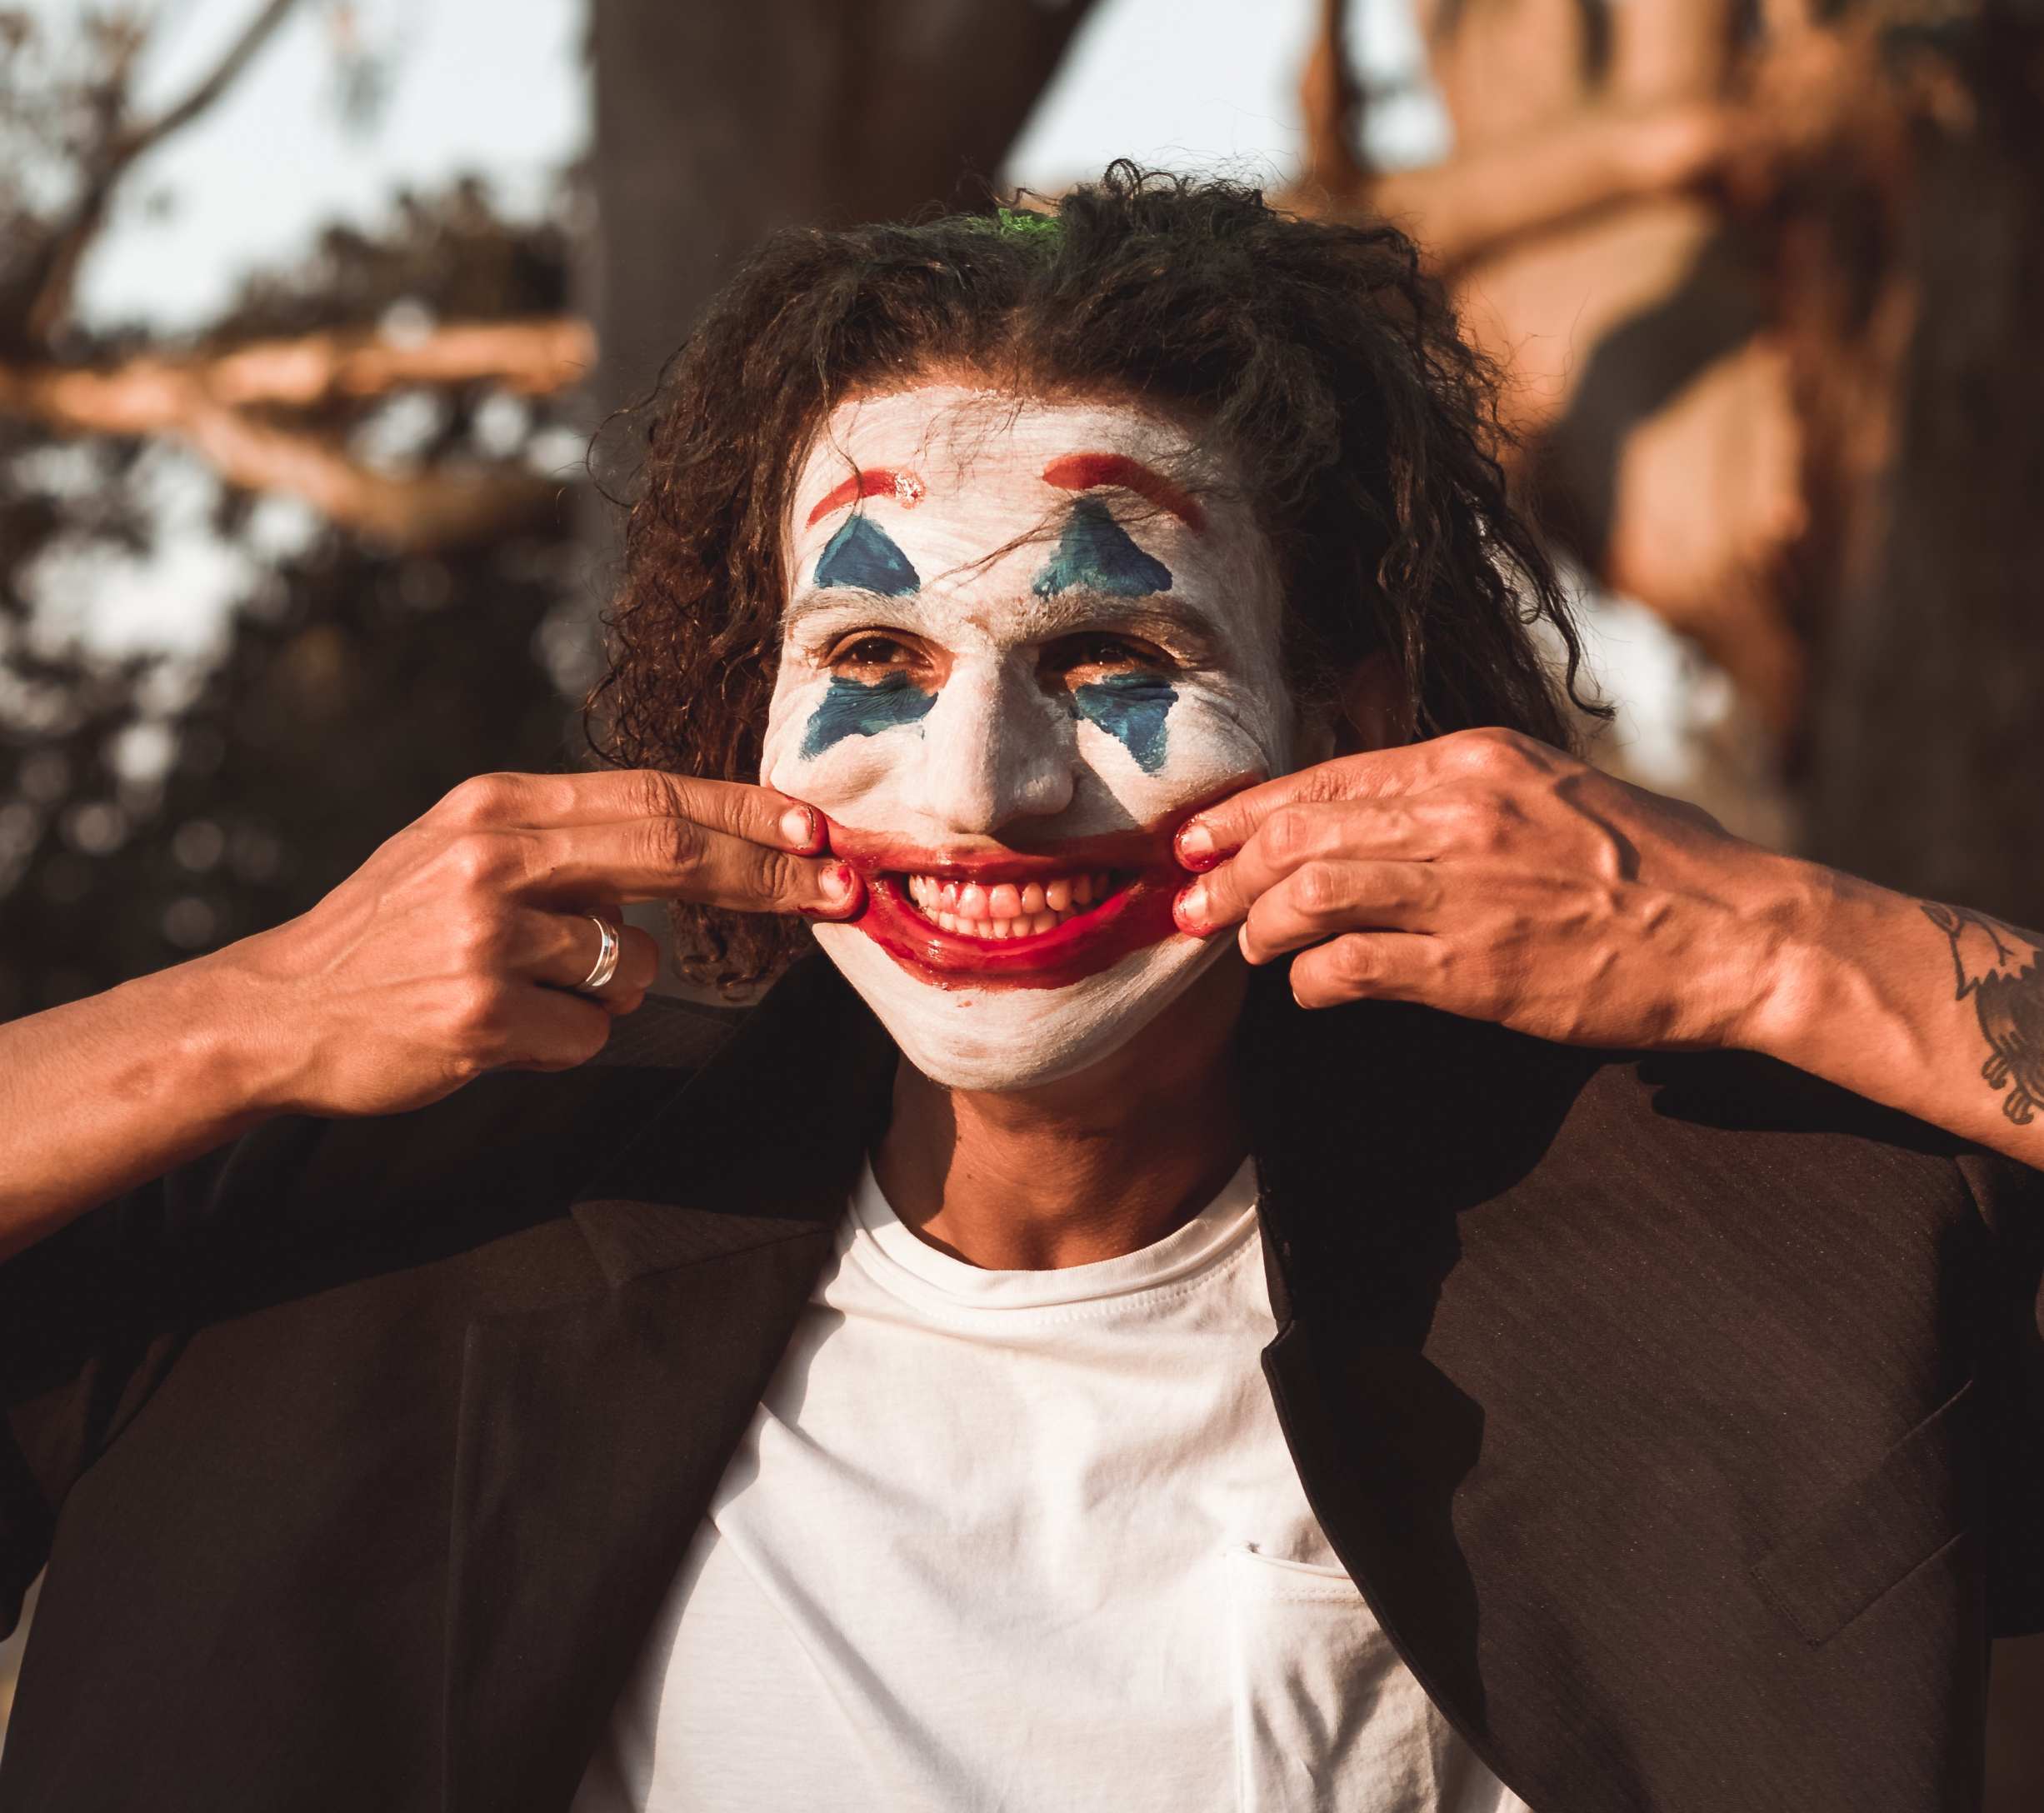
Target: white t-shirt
[[1025, 1540]]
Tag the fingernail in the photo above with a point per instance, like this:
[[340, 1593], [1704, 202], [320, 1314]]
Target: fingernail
[[1189, 909], [839, 886], [1196, 845], [798, 826]]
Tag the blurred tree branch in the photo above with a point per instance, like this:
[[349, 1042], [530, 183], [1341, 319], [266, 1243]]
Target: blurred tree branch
[[210, 403], [428, 511], [1662, 134], [43, 285]]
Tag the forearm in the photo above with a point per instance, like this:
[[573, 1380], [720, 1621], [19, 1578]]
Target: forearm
[[1936, 1010], [103, 1093]]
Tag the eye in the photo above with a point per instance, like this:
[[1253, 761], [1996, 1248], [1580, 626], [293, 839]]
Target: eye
[[871, 656], [1077, 659]]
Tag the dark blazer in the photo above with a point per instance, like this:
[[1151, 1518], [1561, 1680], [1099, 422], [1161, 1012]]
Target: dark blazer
[[1678, 1418]]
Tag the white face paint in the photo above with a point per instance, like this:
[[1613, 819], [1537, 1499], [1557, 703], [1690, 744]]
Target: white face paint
[[1025, 641]]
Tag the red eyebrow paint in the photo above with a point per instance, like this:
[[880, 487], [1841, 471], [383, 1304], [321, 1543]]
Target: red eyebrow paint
[[881, 482], [1090, 472]]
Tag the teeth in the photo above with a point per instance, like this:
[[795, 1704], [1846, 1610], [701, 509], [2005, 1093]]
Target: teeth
[[1006, 909]]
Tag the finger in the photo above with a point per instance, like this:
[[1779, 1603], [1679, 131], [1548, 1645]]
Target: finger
[[561, 949], [1323, 899], [553, 1030], [679, 859], [1298, 834], [1375, 966], [762, 814], [1210, 836]]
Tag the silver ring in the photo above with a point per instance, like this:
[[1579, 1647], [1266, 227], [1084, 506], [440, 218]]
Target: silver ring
[[606, 964]]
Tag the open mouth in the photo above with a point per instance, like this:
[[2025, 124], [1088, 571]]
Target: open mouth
[[980, 917], [1037, 930], [1027, 920], [1005, 912]]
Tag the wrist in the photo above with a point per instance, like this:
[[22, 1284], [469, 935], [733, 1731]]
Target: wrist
[[1786, 961], [226, 1038], [1817, 996]]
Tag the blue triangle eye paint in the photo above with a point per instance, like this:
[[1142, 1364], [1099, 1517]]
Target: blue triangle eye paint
[[863, 555], [1130, 708], [852, 709], [1096, 553]]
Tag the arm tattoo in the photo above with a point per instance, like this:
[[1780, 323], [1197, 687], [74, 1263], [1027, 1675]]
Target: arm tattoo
[[2002, 969]]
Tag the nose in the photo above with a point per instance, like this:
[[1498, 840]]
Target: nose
[[995, 749]]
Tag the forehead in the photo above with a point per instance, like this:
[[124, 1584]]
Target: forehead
[[951, 458]]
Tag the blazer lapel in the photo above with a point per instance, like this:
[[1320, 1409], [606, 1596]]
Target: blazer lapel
[[593, 1436], [1361, 1123]]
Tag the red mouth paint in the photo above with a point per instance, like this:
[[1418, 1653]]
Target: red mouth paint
[[1136, 916]]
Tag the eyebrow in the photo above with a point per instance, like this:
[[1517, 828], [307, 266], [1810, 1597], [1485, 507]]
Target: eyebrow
[[1089, 471], [870, 484], [852, 603], [1170, 619]]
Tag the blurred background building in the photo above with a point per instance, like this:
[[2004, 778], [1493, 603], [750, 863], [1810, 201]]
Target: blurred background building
[[310, 311]]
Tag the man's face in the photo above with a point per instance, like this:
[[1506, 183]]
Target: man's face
[[1024, 641]]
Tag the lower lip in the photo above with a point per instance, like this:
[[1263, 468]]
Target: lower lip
[[1137, 916]]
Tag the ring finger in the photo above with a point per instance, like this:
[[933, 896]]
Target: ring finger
[[562, 950]]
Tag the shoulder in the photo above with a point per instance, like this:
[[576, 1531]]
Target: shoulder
[[1469, 1111], [1738, 1108]]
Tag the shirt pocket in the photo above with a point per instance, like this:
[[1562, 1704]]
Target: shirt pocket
[[1326, 1714], [1865, 1540]]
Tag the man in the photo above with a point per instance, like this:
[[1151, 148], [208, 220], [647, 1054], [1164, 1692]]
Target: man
[[1064, 1367]]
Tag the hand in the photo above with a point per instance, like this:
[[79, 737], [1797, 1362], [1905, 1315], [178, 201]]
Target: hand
[[459, 946], [1491, 875]]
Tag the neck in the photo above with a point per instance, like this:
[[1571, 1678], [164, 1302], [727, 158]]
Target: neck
[[1091, 1166]]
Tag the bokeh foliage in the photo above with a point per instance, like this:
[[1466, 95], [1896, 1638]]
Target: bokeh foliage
[[153, 807]]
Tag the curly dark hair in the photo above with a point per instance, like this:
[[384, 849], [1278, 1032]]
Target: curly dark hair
[[1320, 356]]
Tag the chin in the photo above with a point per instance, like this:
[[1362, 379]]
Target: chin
[[1015, 1028]]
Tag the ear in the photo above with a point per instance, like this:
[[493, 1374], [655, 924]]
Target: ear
[[1369, 706]]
